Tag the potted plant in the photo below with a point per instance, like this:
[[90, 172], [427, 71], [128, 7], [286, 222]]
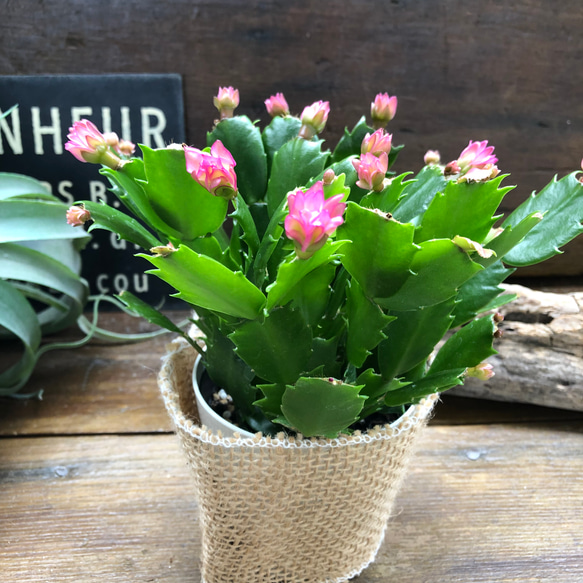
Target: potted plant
[[333, 301]]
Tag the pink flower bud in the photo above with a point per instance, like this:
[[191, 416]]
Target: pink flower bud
[[88, 144], [383, 109], [215, 170], [468, 245], [377, 143], [482, 372], [277, 105], [329, 176], [431, 157], [226, 101], [78, 216], [314, 118], [126, 147], [477, 162], [371, 171], [312, 218]]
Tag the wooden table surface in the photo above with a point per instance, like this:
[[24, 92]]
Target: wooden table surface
[[94, 486]]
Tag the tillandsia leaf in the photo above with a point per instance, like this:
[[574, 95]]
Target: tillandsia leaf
[[319, 407], [278, 348], [243, 139], [509, 238], [417, 195], [178, 199], [312, 293], [469, 346], [351, 142], [561, 202], [249, 232], [365, 324], [277, 133], [375, 389], [388, 198], [15, 185], [204, 282], [126, 227], [294, 164], [440, 268], [292, 271], [477, 293], [23, 264], [228, 371], [412, 337], [18, 317], [26, 220], [465, 209], [381, 250], [270, 404], [417, 390]]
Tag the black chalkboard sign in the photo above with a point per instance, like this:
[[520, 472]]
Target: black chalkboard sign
[[145, 109]]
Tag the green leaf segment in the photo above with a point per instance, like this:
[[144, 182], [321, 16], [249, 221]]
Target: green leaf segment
[[315, 344]]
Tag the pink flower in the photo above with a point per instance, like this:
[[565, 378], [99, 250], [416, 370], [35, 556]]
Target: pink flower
[[477, 162], [314, 118], [476, 155], [215, 170], [78, 216], [371, 171], [312, 218], [226, 101], [431, 157], [377, 143], [277, 105], [383, 109], [482, 372], [86, 142]]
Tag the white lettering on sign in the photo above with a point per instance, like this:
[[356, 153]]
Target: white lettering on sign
[[153, 124], [117, 243], [154, 132], [13, 137], [62, 190], [78, 113], [97, 191], [121, 282]]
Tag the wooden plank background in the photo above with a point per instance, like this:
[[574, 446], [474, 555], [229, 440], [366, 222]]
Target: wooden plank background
[[507, 72]]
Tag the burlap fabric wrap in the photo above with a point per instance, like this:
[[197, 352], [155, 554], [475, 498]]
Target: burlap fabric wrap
[[285, 510]]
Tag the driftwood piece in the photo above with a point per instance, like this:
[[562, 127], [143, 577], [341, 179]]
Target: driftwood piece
[[540, 358]]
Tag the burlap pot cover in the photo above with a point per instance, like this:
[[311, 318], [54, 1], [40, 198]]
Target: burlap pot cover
[[285, 510]]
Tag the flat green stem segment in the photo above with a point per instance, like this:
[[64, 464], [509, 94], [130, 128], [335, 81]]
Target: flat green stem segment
[[292, 271], [278, 348], [366, 322], [110, 219], [381, 250], [316, 406], [412, 336], [440, 268], [434, 383], [243, 139], [202, 281], [561, 202], [464, 209], [177, 198], [469, 346], [294, 164]]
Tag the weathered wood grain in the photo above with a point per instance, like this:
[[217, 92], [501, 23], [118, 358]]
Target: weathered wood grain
[[482, 503], [461, 70], [540, 356]]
